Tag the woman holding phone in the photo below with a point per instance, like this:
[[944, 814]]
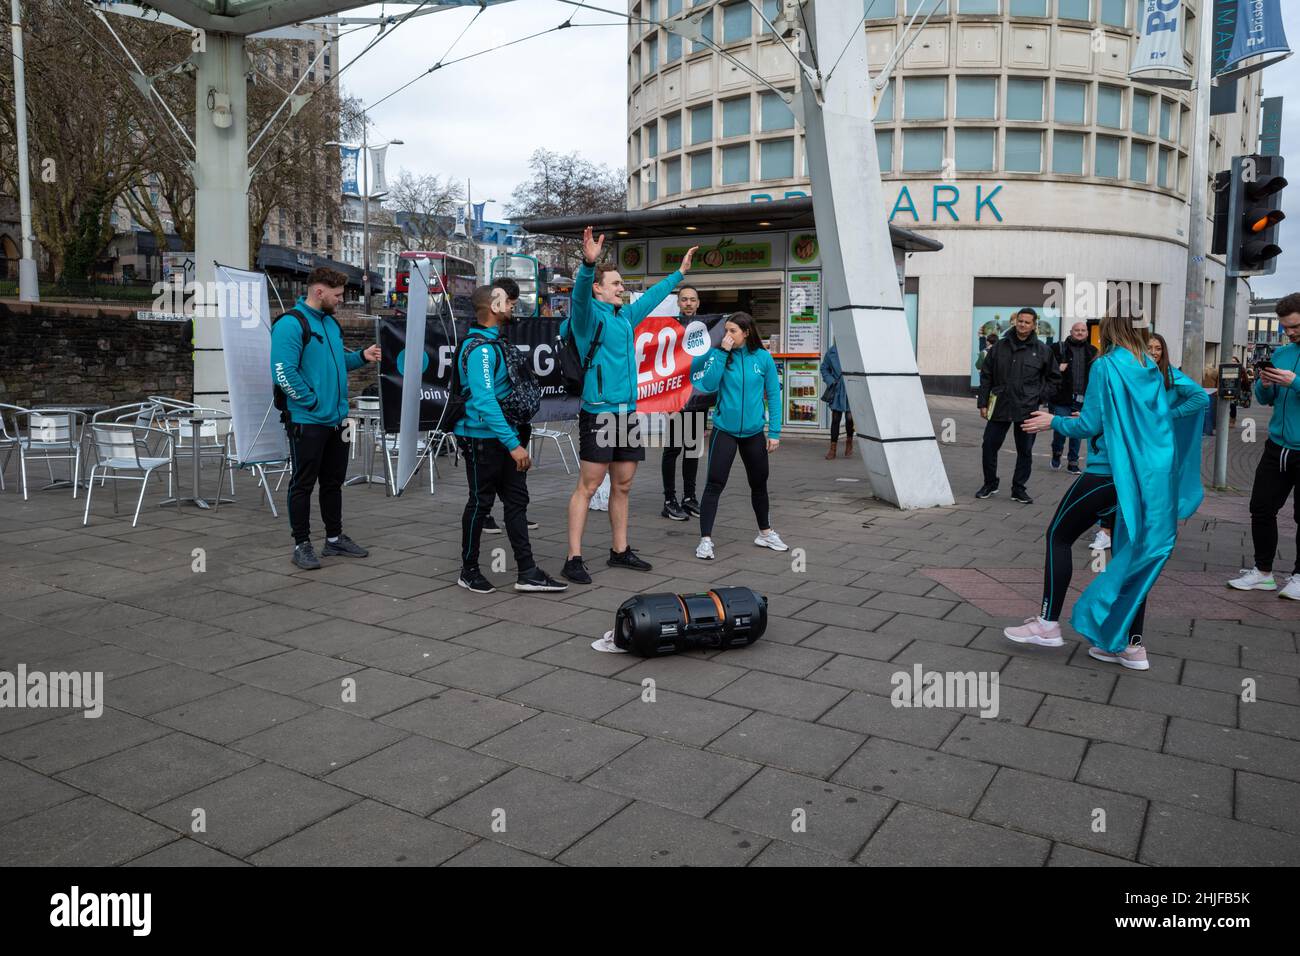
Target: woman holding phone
[[743, 374]]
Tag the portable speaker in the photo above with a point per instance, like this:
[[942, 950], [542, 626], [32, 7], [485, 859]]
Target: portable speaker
[[652, 625]]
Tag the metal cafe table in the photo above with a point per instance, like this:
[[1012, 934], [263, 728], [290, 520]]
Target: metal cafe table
[[195, 419]]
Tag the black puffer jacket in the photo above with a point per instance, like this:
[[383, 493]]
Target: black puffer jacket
[[1021, 373], [1068, 352]]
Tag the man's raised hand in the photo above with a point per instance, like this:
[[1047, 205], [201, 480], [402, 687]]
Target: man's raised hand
[[685, 267], [591, 248]]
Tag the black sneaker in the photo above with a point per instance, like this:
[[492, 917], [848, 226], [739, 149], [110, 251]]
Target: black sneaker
[[1021, 496], [473, 579], [533, 525], [575, 569], [673, 510], [304, 555], [535, 579], [1072, 467], [987, 491], [345, 546], [691, 506], [1056, 463], [490, 525], [627, 559]]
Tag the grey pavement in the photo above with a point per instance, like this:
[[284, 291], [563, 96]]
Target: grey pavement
[[374, 713]]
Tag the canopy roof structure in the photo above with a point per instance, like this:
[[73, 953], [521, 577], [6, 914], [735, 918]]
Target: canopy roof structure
[[246, 17]]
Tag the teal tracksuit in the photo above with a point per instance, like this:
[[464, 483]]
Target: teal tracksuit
[[485, 375], [314, 377], [744, 387], [1284, 426], [610, 383]]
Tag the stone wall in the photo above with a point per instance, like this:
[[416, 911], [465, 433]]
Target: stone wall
[[92, 354]]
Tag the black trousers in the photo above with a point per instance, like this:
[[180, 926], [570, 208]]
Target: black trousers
[[1091, 498], [686, 434], [490, 473], [995, 433], [317, 453], [1276, 476], [835, 425], [722, 453]]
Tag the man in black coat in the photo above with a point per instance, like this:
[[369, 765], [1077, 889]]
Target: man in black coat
[[1018, 375], [1074, 356]]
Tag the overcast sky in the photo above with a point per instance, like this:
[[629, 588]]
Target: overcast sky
[[480, 120]]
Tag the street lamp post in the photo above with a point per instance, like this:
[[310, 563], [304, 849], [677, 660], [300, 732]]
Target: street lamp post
[[469, 199], [28, 285], [365, 205]]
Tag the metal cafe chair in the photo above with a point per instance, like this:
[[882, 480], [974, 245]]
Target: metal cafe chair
[[52, 434], [10, 436], [122, 447], [211, 443], [559, 436]]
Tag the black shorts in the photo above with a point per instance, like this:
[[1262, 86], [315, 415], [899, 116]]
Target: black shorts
[[609, 437]]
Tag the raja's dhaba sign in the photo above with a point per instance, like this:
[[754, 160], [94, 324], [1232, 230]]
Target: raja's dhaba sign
[[723, 256]]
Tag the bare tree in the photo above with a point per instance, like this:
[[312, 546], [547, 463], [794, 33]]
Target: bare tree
[[565, 185], [426, 203]]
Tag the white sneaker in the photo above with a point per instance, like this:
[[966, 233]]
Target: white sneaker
[[770, 539], [704, 550], [1292, 589], [1101, 542], [1254, 580]]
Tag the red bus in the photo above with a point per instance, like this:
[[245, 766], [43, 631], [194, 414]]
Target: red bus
[[447, 273]]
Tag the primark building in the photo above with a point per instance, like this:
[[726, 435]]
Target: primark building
[[1020, 164]]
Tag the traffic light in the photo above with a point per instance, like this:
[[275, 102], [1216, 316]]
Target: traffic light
[[1255, 209]]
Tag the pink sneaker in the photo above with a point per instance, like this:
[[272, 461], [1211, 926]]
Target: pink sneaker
[[1035, 631], [1135, 658]]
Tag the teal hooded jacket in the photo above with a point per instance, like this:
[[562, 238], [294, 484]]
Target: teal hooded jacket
[[488, 382], [610, 383], [1284, 426], [313, 377], [749, 390]]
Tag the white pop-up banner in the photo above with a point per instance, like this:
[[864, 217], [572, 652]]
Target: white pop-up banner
[[417, 301], [245, 317], [1159, 57]]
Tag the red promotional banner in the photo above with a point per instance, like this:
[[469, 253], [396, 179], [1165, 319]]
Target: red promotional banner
[[664, 350]]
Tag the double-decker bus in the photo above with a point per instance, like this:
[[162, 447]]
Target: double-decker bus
[[452, 275]]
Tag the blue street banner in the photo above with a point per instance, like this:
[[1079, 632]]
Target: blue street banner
[[1260, 39], [479, 208], [349, 157], [1223, 94], [1270, 127], [1159, 57]]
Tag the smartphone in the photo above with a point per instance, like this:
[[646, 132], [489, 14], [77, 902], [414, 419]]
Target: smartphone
[[1263, 364]]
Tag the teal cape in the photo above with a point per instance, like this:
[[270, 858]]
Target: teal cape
[[1155, 462]]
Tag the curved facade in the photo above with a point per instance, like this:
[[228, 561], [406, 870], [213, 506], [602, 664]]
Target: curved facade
[[1009, 131]]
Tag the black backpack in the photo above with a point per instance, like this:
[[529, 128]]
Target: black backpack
[[277, 394], [518, 406], [573, 365]]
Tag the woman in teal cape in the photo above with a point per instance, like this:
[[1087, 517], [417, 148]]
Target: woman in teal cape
[[1143, 422]]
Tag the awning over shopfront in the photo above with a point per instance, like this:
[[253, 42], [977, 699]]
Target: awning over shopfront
[[669, 221], [298, 263]]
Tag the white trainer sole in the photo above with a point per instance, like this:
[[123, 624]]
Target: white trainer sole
[[1271, 586], [764, 544], [1097, 654], [1040, 641]]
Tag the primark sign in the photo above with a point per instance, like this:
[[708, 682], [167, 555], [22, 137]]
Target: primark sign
[[939, 202]]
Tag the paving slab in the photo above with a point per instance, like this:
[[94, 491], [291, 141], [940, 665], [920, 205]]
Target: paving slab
[[1177, 836], [565, 747], [680, 778], [915, 836], [916, 775], [83, 832], [797, 745], [647, 835], [458, 717]]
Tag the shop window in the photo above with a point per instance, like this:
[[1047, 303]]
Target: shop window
[[880, 9], [974, 152], [1025, 99], [735, 164], [1106, 157], [774, 113], [925, 98], [1074, 9], [885, 149], [1024, 151], [672, 177], [1071, 103], [1166, 119], [1114, 12], [886, 111], [672, 48], [737, 22], [914, 5], [652, 140], [1162, 168], [702, 124], [1029, 8], [651, 55], [735, 116], [1067, 153], [651, 189], [771, 8], [977, 97], [1110, 107], [673, 132], [776, 159], [1137, 162], [978, 6], [702, 170], [922, 150], [1141, 113], [706, 28]]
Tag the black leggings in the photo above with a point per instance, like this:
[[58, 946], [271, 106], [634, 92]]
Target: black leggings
[[722, 452], [1091, 498], [835, 425], [685, 434], [1276, 478]]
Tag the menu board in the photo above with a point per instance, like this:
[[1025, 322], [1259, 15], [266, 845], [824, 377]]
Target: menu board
[[804, 314], [802, 390]]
